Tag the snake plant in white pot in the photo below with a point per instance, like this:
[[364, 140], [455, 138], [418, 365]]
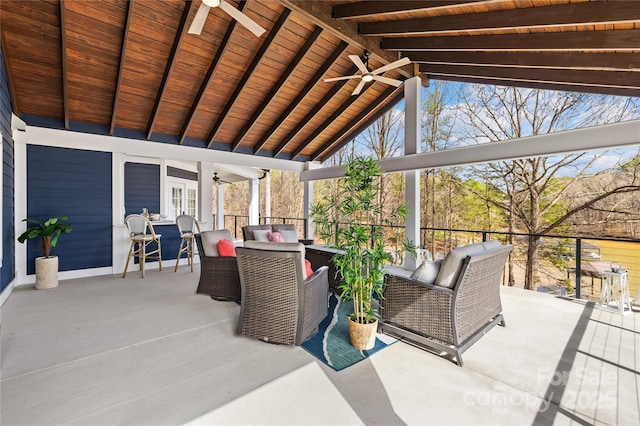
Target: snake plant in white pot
[[344, 221]]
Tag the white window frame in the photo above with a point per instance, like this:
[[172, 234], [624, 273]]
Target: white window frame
[[185, 185]]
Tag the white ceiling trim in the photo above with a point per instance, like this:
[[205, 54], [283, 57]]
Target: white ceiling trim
[[141, 148], [607, 136]]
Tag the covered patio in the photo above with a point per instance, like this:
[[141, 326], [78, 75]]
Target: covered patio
[[108, 106], [107, 350]]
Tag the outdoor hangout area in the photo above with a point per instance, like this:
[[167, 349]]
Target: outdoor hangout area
[[107, 350], [319, 212]]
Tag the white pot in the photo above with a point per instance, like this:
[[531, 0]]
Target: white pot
[[46, 272]]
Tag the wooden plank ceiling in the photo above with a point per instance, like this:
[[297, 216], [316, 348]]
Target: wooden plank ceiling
[[129, 68]]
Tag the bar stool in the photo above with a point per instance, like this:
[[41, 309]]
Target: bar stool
[[138, 226], [187, 226]]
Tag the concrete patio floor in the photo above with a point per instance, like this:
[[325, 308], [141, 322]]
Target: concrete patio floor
[[107, 350]]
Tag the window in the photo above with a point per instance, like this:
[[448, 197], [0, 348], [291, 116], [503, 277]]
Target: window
[[191, 202], [183, 198]]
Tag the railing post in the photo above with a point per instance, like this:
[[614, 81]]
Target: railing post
[[235, 226], [484, 236], [578, 266], [373, 230]]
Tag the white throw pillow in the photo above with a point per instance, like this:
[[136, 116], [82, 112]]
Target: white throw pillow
[[427, 272], [289, 235], [261, 235]]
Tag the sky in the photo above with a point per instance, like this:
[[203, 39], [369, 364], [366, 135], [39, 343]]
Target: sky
[[594, 110]]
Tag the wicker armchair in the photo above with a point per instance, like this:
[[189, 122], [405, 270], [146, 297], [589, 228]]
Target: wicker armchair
[[278, 304], [218, 275], [447, 320]]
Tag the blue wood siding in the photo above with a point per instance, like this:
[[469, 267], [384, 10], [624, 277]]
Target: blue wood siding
[[170, 241], [74, 183], [8, 270], [141, 188], [182, 174]]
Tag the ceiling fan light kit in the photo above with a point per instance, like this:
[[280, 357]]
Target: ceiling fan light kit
[[367, 76]]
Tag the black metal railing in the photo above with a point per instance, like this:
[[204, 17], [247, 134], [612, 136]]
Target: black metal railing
[[566, 260]]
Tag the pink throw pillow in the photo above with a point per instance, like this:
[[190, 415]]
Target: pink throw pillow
[[307, 265], [226, 248], [275, 237]]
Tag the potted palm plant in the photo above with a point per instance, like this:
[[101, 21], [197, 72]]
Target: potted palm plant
[[344, 221], [49, 230]]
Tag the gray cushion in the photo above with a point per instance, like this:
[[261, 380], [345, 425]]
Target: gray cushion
[[247, 231], [283, 226], [261, 235], [210, 240], [261, 245], [491, 244], [427, 272], [289, 235], [450, 269]]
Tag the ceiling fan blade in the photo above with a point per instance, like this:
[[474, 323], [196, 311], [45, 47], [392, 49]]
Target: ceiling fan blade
[[358, 88], [392, 65], [243, 19], [199, 19], [346, 77], [387, 80], [361, 66]]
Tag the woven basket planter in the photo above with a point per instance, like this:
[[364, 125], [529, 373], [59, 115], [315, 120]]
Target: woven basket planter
[[363, 336]]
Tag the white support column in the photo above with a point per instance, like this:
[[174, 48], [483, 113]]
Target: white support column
[[220, 207], [267, 196], [205, 196], [120, 235], [412, 146], [20, 200], [254, 202], [308, 200], [164, 201]]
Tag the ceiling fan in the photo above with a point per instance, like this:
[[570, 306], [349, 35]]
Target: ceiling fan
[[203, 12], [366, 76], [216, 180]]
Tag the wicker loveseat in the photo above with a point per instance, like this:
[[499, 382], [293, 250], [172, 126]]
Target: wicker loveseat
[[248, 235], [456, 310], [219, 276]]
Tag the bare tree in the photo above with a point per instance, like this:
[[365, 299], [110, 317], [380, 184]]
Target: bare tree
[[531, 192]]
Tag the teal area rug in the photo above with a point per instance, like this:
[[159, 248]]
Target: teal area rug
[[331, 344]]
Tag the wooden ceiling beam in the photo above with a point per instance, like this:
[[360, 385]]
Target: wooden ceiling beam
[[63, 51], [177, 41], [320, 13], [365, 9], [247, 75], [208, 78], [308, 44], [313, 81], [587, 78], [123, 50], [621, 61], [545, 85], [563, 41], [561, 15], [362, 127], [321, 128], [307, 118]]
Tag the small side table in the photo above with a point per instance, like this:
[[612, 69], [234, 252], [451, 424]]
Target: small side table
[[615, 287]]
